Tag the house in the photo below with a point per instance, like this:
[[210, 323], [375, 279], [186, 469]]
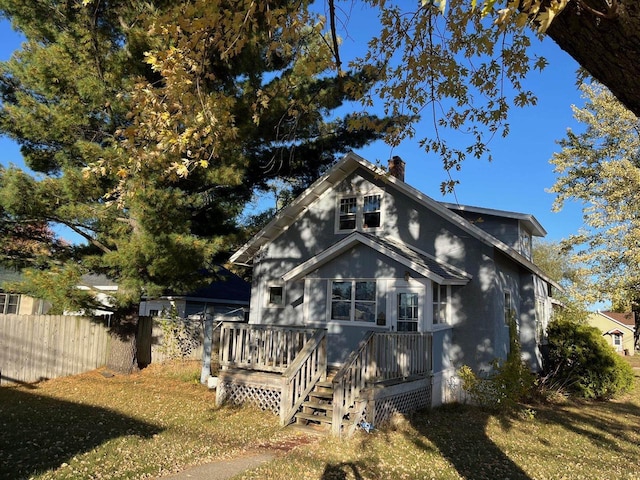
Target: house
[[617, 328], [226, 299], [370, 260], [15, 303]]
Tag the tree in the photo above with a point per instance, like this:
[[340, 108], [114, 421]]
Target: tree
[[602, 38], [463, 63], [582, 363], [600, 167], [454, 67], [150, 125], [577, 289]]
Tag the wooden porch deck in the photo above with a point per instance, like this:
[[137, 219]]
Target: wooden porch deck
[[284, 369]]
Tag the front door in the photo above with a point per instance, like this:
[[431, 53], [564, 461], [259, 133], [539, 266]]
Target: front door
[[408, 308]]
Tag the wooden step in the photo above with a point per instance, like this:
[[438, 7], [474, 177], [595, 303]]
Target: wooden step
[[322, 419], [325, 407], [322, 395]]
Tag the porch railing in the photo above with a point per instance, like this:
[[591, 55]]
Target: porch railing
[[261, 347], [380, 357], [308, 368]]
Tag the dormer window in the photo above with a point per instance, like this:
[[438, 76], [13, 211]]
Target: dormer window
[[359, 212]]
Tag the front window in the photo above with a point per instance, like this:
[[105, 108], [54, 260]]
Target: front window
[[617, 340], [439, 303], [9, 303], [353, 301]]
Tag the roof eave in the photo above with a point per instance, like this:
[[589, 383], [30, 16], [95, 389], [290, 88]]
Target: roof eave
[[293, 211]]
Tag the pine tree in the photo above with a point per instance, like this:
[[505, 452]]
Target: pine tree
[[151, 124]]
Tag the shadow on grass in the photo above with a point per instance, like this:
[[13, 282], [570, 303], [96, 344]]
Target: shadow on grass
[[610, 425], [39, 433], [459, 433], [341, 471]]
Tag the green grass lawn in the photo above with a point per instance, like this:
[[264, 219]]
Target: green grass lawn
[[159, 420]]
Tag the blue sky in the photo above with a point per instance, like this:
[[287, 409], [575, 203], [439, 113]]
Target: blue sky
[[520, 173]]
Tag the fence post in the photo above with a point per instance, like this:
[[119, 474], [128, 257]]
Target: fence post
[[207, 346]]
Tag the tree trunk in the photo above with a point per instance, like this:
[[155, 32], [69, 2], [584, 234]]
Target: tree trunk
[[123, 352], [608, 48]]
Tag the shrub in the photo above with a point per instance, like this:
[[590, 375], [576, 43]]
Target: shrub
[[581, 362], [509, 381]]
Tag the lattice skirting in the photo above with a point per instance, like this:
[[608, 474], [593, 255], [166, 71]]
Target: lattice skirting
[[242, 393], [401, 400]]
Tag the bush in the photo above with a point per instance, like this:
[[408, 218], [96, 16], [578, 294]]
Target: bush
[[581, 362], [508, 383]]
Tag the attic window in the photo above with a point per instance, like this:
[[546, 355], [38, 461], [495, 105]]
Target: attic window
[[359, 212], [348, 210], [371, 211]]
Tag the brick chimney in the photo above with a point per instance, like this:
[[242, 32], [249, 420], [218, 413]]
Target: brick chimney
[[396, 167]]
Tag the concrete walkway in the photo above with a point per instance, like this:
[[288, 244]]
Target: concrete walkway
[[222, 469]]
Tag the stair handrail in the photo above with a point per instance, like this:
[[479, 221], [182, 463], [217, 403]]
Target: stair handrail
[[307, 369], [267, 348], [350, 380], [367, 364]]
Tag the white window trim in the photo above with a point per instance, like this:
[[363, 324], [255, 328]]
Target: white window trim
[[7, 302], [330, 301], [525, 241], [267, 295], [447, 305], [359, 196], [504, 306]]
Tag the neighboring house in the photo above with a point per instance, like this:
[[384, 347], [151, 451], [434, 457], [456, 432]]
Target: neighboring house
[[362, 251], [103, 290], [617, 328], [15, 303], [226, 299]]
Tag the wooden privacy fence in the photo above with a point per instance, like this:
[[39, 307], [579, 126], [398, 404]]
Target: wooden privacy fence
[[36, 347]]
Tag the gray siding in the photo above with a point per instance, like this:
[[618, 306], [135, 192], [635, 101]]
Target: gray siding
[[479, 333], [504, 229]]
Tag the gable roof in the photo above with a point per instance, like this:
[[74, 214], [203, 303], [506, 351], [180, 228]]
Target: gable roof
[[627, 319], [417, 261], [349, 163], [530, 222]]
